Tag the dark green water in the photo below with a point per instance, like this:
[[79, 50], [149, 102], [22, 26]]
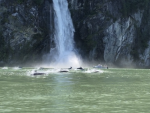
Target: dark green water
[[114, 91]]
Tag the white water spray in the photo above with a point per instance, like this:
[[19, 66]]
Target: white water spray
[[64, 53]]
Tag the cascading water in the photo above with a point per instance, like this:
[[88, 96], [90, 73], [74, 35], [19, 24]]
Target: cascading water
[[64, 52]]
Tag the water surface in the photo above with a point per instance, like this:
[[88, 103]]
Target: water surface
[[114, 91]]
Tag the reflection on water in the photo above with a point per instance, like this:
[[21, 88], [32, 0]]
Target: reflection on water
[[114, 90]]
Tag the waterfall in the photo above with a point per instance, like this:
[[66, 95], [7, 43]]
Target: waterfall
[[64, 54]]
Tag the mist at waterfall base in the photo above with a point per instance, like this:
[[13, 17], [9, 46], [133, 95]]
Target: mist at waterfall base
[[64, 53], [68, 59]]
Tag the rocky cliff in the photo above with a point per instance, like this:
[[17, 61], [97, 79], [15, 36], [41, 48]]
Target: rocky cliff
[[113, 32], [24, 30]]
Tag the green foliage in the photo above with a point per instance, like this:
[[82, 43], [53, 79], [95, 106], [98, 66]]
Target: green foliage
[[142, 32], [3, 21], [20, 1], [38, 2], [90, 42], [135, 54], [3, 49], [86, 8], [4, 18], [110, 16], [37, 37], [30, 50], [141, 43], [130, 6], [87, 44]]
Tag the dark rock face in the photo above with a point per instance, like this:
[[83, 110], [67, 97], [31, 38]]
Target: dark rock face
[[24, 30], [114, 32], [91, 19], [108, 30]]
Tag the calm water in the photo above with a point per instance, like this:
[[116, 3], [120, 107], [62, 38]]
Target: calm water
[[114, 91]]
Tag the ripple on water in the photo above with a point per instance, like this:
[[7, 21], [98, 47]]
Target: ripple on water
[[124, 91]]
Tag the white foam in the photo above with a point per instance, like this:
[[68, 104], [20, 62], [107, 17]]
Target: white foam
[[5, 68]]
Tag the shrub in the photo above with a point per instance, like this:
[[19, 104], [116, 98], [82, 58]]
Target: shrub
[[38, 2]]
